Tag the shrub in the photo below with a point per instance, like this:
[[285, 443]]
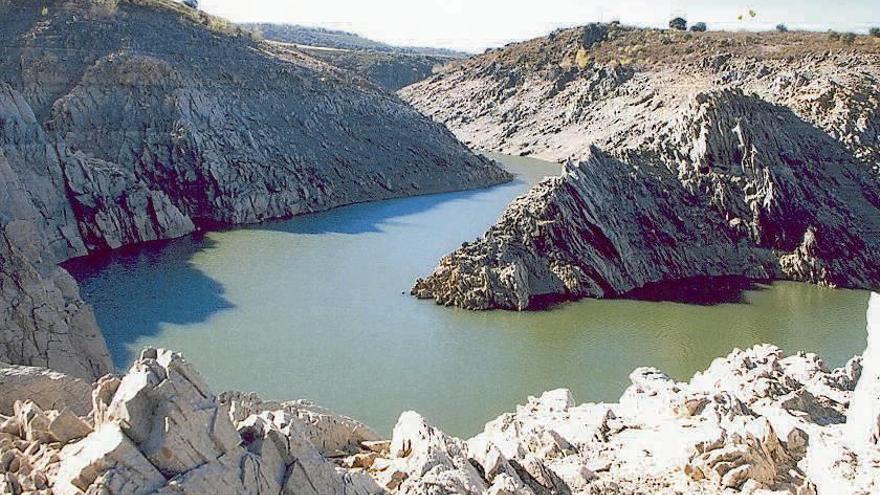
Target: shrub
[[875, 32], [833, 36], [699, 27], [678, 23], [848, 38], [582, 58], [191, 3], [782, 28]]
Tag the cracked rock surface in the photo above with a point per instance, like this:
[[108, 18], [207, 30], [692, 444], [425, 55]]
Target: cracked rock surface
[[755, 421], [132, 121], [687, 156]]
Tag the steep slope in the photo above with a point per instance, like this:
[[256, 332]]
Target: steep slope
[[343, 40], [390, 67], [682, 162], [123, 122], [390, 70]]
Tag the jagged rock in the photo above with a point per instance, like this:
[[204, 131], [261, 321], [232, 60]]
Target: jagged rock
[[733, 173], [166, 121], [106, 460], [754, 421], [330, 433], [43, 322], [48, 389], [863, 416]]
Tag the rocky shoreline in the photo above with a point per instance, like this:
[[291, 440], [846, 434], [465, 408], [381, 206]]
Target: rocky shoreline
[[138, 120], [754, 422], [701, 155]]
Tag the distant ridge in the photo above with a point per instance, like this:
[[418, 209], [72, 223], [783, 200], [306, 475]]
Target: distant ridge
[[330, 38]]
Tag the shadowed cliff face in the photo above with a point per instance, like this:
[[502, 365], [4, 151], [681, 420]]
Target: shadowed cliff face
[[673, 171], [131, 121]]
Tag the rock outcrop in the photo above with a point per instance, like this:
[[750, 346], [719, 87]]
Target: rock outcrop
[[753, 422], [680, 163], [137, 120], [158, 429]]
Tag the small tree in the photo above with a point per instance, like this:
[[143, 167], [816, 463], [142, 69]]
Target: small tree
[[782, 28], [848, 38], [699, 27], [678, 23], [875, 32]]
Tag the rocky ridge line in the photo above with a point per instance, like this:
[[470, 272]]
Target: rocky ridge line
[[734, 164], [753, 422]]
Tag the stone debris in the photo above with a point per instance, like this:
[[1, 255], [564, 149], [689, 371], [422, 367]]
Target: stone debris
[[755, 421]]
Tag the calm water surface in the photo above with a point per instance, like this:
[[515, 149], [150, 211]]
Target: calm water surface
[[314, 308]]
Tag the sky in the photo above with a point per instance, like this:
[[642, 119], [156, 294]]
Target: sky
[[474, 25]]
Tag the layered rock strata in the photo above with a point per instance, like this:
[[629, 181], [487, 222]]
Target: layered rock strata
[[732, 162], [130, 121], [754, 422]]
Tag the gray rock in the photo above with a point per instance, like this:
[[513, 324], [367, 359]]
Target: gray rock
[[126, 122]]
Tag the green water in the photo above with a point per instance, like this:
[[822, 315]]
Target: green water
[[314, 308]]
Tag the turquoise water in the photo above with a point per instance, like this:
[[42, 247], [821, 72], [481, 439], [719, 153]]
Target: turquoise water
[[316, 307]]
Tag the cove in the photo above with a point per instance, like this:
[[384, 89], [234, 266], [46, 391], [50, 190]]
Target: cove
[[317, 307]]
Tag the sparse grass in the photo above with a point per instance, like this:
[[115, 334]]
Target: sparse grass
[[216, 24], [103, 8], [646, 48]]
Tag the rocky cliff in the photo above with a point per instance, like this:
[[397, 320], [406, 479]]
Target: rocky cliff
[[131, 121], [754, 422], [687, 155], [390, 70]]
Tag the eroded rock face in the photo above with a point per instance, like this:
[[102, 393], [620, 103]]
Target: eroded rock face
[[132, 121], [747, 165], [159, 429], [732, 186], [755, 421], [43, 322]]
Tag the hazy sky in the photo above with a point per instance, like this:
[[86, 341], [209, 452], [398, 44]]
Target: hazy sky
[[474, 25]]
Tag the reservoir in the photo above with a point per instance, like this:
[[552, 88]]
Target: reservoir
[[317, 307]]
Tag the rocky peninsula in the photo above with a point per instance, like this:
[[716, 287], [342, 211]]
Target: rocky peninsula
[[130, 121], [755, 421], [687, 155]]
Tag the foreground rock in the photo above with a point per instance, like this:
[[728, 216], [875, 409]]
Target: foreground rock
[[136, 120], [687, 156], [159, 429], [753, 422]]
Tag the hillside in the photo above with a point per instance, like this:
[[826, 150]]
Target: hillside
[[343, 40], [131, 121], [390, 70], [688, 155], [390, 67]]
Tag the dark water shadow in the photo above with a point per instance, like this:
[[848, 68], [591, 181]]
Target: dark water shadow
[[137, 289], [699, 291], [370, 217]]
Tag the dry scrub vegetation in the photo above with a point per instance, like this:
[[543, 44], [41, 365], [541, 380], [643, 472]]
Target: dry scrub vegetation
[[645, 48]]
